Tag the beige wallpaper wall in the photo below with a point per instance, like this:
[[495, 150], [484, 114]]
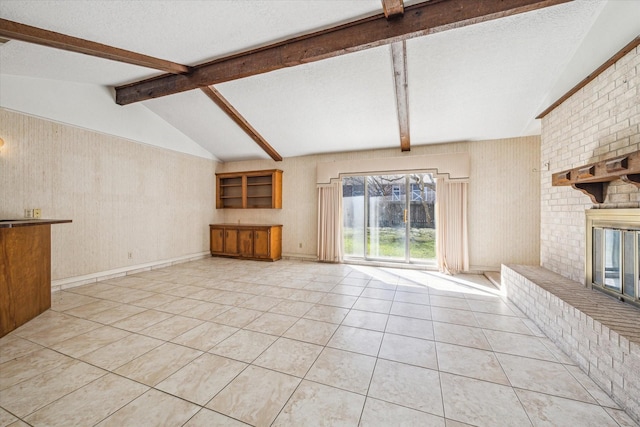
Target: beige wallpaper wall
[[122, 196], [128, 197], [504, 216], [504, 195], [598, 122]]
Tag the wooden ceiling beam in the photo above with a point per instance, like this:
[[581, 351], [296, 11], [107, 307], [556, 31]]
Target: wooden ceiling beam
[[230, 111], [26, 33], [392, 8], [30, 34], [418, 20], [399, 58]]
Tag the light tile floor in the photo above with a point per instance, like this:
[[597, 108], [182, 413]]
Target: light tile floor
[[221, 342]]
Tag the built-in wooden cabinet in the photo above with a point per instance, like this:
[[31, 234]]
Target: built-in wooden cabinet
[[249, 190], [248, 241]]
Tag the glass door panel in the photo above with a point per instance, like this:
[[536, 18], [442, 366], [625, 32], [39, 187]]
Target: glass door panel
[[612, 270], [353, 216], [598, 256], [629, 264], [387, 217], [422, 223]]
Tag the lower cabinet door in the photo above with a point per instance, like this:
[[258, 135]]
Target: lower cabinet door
[[245, 240], [231, 242], [217, 240], [261, 246]]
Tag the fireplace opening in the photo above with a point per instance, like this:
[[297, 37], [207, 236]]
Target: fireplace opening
[[613, 253]]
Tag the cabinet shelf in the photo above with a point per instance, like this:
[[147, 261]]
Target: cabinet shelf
[[240, 190], [593, 179]]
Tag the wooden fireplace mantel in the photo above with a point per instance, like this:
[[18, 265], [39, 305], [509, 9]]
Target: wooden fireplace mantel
[[593, 179]]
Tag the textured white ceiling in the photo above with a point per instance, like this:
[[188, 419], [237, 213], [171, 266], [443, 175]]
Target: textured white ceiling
[[185, 31], [345, 103], [486, 81], [30, 60], [483, 81]]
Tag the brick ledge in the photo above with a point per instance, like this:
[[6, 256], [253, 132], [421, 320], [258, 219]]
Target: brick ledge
[[598, 332], [597, 305]]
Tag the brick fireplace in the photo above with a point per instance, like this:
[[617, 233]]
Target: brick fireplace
[[597, 122]]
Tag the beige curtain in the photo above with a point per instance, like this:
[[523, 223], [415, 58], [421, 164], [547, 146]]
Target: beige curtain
[[329, 221], [451, 220]]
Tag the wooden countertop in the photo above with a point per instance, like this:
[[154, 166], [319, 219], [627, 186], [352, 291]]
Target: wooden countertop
[[231, 224], [10, 223]]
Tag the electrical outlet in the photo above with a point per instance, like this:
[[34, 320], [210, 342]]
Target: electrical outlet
[[37, 213], [130, 255], [28, 213], [300, 245]]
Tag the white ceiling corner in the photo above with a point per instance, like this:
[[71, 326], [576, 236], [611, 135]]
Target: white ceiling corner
[[195, 115]]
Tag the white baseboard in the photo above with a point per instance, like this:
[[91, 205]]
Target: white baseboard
[[300, 257], [72, 282]]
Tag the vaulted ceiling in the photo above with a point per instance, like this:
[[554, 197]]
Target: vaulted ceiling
[[481, 80]]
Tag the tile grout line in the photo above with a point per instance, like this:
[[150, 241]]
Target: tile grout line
[[298, 317]]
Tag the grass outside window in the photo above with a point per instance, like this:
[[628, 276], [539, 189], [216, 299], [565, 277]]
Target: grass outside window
[[391, 242]]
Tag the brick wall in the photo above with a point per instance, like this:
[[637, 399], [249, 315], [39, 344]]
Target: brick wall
[[598, 122]]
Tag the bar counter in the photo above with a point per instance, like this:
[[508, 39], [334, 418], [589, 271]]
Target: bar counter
[[25, 270]]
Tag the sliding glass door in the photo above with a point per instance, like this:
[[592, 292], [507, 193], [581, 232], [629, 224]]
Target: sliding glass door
[[389, 217]]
